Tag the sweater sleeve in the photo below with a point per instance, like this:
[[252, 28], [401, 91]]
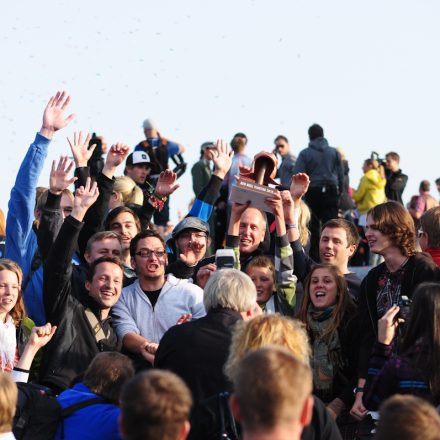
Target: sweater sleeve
[[366, 328], [123, 318], [57, 272], [50, 223], [302, 262], [95, 215], [22, 203], [232, 242], [204, 203], [285, 279], [359, 194], [381, 379]]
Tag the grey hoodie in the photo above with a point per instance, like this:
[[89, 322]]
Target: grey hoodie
[[321, 163]]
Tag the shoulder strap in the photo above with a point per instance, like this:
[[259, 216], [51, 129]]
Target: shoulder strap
[[226, 419], [96, 325], [65, 412]]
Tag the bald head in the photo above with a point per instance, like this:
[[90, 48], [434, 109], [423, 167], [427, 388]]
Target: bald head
[[252, 230]]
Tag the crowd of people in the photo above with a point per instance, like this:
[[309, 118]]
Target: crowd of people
[[237, 322]]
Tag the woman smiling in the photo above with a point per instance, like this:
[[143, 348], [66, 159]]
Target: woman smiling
[[330, 318]]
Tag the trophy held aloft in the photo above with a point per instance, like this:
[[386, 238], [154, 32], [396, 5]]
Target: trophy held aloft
[[253, 185]]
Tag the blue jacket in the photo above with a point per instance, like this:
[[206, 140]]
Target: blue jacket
[[21, 240], [94, 422], [321, 163]]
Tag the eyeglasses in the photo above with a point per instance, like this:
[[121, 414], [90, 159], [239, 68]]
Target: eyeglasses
[[420, 232], [196, 236], [147, 253]]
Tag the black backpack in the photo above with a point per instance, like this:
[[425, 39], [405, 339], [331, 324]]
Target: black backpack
[[38, 413], [212, 419]]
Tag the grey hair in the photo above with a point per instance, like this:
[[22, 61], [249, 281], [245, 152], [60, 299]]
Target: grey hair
[[230, 289]]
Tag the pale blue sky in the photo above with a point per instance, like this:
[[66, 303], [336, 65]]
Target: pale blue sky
[[368, 72]]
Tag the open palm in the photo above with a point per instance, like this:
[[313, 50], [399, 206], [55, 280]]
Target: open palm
[[54, 115]]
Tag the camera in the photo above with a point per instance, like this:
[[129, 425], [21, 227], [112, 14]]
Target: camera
[[404, 304], [225, 259], [376, 156]]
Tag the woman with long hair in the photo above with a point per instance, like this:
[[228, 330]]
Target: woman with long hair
[[390, 233], [19, 339], [415, 370], [331, 321]]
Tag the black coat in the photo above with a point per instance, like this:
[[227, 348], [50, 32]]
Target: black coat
[[419, 268], [73, 346], [196, 351]]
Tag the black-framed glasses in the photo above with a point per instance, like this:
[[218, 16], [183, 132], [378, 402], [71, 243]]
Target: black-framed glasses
[[147, 253]]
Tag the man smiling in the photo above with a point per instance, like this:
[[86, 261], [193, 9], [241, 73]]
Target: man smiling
[[80, 309], [154, 302]]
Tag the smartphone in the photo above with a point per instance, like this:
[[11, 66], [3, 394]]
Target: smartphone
[[225, 259]]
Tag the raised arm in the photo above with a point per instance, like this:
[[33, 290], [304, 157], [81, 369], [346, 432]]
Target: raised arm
[[95, 216], [292, 210], [20, 239], [204, 204], [58, 266], [285, 280], [51, 216]]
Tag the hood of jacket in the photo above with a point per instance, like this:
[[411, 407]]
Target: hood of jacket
[[319, 144], [373, 176]]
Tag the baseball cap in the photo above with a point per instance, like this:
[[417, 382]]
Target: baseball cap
[[190, 223], [137, 157], [149, 124]]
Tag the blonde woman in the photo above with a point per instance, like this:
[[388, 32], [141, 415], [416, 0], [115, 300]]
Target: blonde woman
[[125, 191], [276, 330]]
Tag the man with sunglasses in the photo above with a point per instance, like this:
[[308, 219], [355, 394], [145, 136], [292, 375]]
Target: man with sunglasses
[[288, 160], [155, 301]]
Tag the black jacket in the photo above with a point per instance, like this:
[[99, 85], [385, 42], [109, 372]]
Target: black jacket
[[420, 267], [395, 185], [196, 351], [73, 346]]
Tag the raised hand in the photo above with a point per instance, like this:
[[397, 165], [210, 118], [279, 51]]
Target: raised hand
[[59, 175], [117, 154], [299, 186], [54, 118], [80, 149], [85, 197], [167, 183], [275, 203], [40, 336], [387, 325], [221, 157]]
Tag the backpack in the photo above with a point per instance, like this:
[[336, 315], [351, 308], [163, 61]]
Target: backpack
[[38, 413], [212, 419]]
